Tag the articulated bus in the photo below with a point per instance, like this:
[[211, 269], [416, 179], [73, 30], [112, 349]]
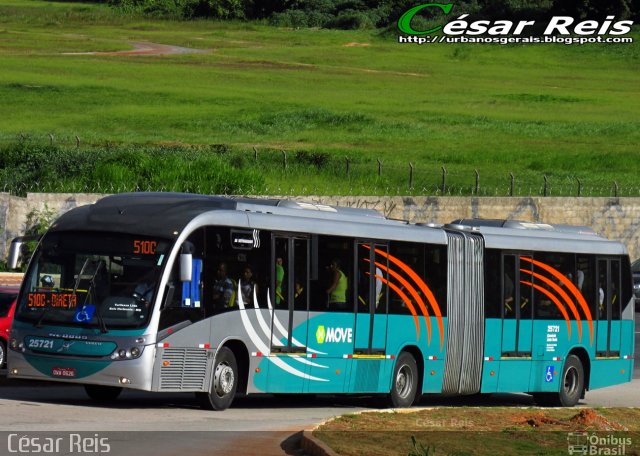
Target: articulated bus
[[227, 296]]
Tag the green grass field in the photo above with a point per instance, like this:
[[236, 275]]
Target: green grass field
[[562, 111]]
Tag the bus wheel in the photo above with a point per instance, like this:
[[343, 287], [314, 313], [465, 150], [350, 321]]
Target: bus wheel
[[3, 353], [101, 393], [225, 382], [571, 386], [572, 382], [405, 381]]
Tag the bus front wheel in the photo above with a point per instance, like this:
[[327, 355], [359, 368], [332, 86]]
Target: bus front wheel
[[224, 384], [405, 381], [101, 393]]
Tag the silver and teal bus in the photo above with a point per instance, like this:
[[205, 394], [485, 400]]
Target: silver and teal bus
[[226, 296]]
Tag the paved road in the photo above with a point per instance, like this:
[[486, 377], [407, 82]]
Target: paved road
[[168, 422]]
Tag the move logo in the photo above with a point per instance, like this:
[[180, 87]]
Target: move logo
[[334, 335]]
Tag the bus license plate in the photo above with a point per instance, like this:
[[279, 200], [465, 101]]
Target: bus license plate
[[67, 372]]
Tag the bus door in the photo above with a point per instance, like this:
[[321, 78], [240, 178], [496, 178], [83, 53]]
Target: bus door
[[289, 312], [608, 308], [517, 323], [370, 292]]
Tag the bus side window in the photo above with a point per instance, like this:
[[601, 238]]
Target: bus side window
[[508, 286], [492, 284], [335, 260], [586, 280]]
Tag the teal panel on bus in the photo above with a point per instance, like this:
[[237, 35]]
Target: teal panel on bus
[[514, 375], [509, 335], [492, 353], [433, 373], [627, 338], [66, 368], [616, 334], [324, 369], [602, 335], [545, 377], [369, 376], [608, 372], [525, 332]]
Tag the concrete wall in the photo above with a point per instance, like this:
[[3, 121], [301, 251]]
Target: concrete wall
[[615, 218]]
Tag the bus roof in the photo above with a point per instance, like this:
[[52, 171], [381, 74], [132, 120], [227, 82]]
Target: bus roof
[[519, 235], [166, 214]]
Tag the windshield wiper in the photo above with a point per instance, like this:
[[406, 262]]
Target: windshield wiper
[[38, 323], [92, 282]]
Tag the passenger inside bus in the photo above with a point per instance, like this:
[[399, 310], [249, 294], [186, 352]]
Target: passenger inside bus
[[337, 291], [223, 288], [247, 285]]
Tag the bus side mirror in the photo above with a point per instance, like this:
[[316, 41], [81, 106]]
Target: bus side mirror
[[14, 253], [186, 263]]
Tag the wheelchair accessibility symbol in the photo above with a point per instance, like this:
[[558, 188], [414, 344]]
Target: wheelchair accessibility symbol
[[548, 376], [84, 314]]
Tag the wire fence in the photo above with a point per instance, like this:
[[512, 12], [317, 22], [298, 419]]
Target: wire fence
[[279, 172]]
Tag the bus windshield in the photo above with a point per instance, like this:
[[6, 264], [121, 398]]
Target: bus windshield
[[100, 280]]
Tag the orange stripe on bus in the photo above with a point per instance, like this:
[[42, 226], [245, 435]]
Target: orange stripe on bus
[[567, 283], [405, 299], [412, 292], [423, 286], [555, 300], [562, 294]]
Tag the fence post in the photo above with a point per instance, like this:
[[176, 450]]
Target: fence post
[[546, 183], [255, 154], [444, 180], [410, 175], [77, 142], [477, 182], [284, 159], [512, 184], [615, 189], [579, 186], [379, 167], [347, 162], [51, 138]]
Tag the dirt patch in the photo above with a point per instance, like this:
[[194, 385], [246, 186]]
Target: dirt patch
[[589, 417], [583, 420], [354, 44], [145, 48]]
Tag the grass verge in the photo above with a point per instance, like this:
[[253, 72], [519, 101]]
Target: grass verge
[[485, 431]]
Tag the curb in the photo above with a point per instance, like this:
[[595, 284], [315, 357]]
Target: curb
[[315, 447]]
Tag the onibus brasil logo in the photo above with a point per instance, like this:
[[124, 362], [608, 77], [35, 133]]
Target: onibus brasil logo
[[460, 29]]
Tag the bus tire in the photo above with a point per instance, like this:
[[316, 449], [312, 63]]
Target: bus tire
[[3, 353], [224, 383], [571, 386], [405, 381], [572, 382], [101, 393]]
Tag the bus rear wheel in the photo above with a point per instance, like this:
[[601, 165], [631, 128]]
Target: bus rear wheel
[[571, 386], [224, 384], [101, 393], [405, 381]]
